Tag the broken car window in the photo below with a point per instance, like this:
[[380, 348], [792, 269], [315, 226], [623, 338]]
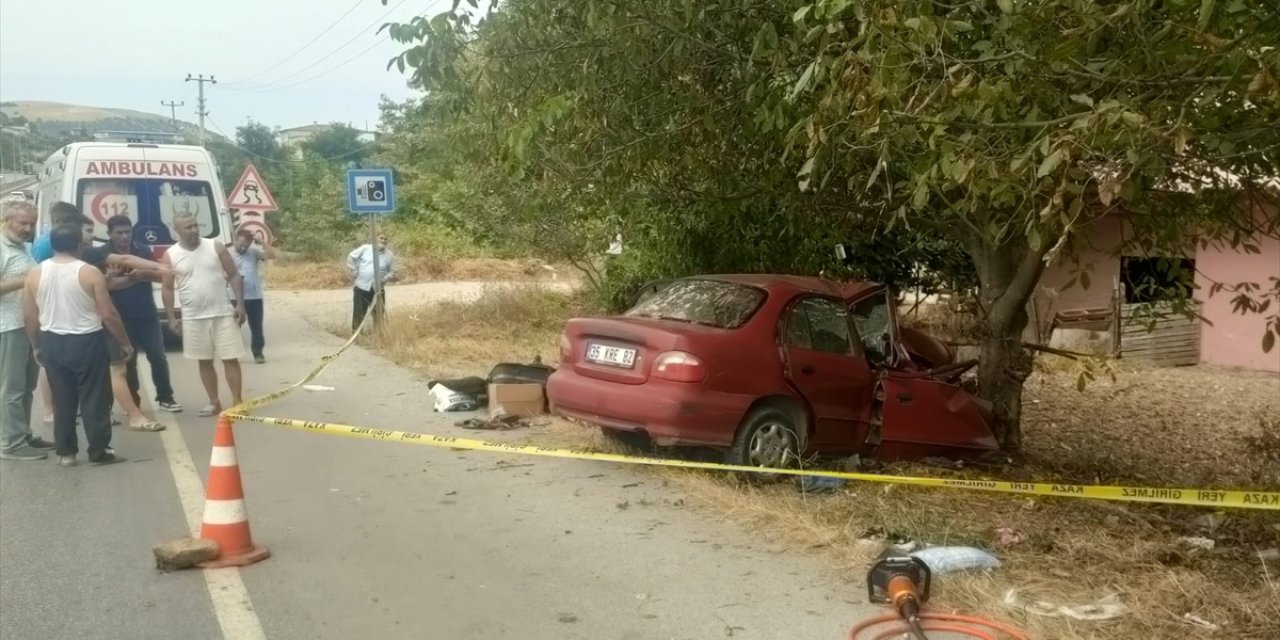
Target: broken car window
[[821, 325], [871, 319], [709, 302]]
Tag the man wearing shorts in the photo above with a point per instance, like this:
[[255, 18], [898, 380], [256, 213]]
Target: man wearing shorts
[[210, 326]]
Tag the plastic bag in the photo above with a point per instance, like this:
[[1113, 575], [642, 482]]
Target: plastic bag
[[950, 559], [447, 399]]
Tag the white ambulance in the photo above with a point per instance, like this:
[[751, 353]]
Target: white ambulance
[[149, 183]]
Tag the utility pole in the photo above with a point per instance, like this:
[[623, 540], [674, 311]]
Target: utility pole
[[173, 111], [200, 104]]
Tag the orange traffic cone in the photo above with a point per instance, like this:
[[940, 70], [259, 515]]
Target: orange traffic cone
[[226, 521]]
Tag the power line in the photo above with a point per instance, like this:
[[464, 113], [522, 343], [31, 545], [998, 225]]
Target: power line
[[268, 85], [330, 69], [173, 111], [200, 103], [299, 49]]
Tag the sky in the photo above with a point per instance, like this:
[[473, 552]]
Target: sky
[[133, 54]]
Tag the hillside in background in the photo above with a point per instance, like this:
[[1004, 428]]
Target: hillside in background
[[59, 119]]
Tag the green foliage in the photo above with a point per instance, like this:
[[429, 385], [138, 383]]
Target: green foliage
[[259, 142], [752, 135], [338, 143]]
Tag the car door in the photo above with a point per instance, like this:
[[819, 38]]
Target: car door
[[824, 365], [919, 415]]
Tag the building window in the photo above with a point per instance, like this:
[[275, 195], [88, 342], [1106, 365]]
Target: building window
[[1149, 280]]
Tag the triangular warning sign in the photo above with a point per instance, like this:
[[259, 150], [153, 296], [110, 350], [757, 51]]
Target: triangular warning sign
[[251, 192]]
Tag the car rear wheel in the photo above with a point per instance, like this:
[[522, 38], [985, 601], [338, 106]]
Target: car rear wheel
[[767, 438], [628, 439]]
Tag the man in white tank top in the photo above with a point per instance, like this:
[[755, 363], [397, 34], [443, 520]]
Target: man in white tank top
[[65, 309], [210, 328]]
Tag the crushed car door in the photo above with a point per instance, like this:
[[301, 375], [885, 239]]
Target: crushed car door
[[826, 367], [915, 414], [922, 416]]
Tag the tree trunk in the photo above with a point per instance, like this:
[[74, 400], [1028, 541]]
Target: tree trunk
[[1007, 275], [1002, 370]]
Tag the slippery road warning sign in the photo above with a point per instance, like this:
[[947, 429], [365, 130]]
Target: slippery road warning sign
[[251, 192]]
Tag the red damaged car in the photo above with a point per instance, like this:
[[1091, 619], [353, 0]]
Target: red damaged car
[[769, 368]]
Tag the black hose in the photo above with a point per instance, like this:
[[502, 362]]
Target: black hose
[[916, 630]]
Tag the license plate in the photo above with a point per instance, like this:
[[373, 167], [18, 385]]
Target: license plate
[[612, 356]]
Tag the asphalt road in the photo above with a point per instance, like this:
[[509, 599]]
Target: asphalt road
[[376, 540]]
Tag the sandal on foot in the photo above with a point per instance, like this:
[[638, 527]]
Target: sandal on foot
[[148, 426], [208, 411]]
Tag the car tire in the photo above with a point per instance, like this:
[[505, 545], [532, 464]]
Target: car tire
[[768, 437], [629, 439]]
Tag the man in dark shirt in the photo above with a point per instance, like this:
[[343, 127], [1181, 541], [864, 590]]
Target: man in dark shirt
[[131, 293]]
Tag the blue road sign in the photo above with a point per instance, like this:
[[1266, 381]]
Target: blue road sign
[[370, 191]]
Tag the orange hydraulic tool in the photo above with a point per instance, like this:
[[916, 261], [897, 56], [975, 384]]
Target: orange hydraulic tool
[[903, 582]]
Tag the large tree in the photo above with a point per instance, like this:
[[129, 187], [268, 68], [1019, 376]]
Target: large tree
[[1002, 127]]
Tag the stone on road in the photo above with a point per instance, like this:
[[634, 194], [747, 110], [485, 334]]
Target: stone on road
[[184, 553]]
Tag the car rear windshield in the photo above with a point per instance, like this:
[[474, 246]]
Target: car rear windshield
[[707, 302]]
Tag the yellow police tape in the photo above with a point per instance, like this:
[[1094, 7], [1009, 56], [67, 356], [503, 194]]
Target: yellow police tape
[[325, 361], [1199, 497], [1219, 498]]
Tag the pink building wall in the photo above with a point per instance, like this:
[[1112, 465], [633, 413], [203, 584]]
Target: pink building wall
[[1235, 340], [1096, 251], [1232, 340]]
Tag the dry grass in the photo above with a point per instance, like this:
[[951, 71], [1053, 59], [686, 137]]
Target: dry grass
[[332, 275], [1191, 427], [1070, 552], [455, 339]]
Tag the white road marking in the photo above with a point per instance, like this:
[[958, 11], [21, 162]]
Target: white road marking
[[231, 604]]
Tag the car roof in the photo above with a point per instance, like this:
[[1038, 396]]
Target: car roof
[[797, 284]]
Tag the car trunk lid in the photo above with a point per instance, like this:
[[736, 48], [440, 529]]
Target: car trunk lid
[[604, 347]]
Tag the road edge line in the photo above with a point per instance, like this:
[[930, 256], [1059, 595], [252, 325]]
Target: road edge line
[[232, 605]]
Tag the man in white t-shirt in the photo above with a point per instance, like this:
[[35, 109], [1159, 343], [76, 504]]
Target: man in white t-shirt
[[203, 271]]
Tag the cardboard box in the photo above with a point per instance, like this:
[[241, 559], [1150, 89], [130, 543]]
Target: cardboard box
[[516, 399]]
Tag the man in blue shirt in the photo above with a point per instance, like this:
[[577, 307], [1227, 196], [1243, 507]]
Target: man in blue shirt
[[131, 293], [248, 254], [59, 213]]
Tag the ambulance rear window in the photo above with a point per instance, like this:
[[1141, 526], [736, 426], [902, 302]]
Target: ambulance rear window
[[151, 203]]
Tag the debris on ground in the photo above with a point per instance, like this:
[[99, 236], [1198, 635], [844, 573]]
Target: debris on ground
[[453, 398], [1106, 608], [317, 387], [184, 552], [1196, 620], [1009, 537], [495, 423], [952, 559], [1197, 542], [820, 484]]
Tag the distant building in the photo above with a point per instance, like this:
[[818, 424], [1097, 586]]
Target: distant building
[[293, 138], [1118, 269]]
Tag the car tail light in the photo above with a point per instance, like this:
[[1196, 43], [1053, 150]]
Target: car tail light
[[678, 366], [566, 349]]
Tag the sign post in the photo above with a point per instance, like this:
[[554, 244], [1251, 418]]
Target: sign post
[[372, 191], [249, 201]]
